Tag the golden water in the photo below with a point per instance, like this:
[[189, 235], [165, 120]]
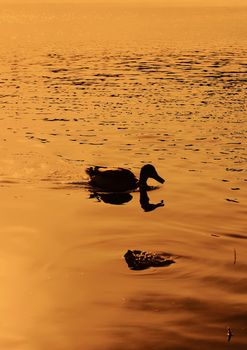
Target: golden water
[[122, 86]]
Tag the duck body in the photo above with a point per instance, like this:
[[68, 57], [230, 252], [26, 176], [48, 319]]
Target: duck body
[[113, 180], [120, 179]]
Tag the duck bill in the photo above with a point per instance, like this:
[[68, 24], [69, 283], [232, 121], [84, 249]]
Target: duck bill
[[158, 178]]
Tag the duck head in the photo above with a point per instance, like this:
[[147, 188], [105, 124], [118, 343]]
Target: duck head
[[148, 171]]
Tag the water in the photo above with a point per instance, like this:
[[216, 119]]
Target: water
[[118, 86]]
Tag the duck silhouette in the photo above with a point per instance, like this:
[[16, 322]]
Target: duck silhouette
[[120, 179]]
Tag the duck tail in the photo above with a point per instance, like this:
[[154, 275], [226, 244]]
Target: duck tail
[[92, 170]]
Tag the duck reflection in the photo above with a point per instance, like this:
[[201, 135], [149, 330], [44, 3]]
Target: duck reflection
[[145, 201], [118, 198]]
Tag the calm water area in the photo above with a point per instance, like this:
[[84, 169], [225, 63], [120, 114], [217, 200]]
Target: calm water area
[[84, 85]]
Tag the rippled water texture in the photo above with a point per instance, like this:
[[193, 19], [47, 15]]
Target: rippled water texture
[[114, 86]]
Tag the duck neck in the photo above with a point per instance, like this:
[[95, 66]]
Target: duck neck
[[143, 180]]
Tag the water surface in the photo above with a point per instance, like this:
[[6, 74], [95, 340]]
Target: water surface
[[112, 86]]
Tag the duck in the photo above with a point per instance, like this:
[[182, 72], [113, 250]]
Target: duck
[[120, 179]]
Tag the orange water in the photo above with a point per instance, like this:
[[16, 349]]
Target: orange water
[[122, 86]]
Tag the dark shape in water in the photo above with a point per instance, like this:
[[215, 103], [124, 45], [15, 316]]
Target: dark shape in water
[[113, 198], [120, 179], [118, 198], [229, 334], [144, 201], [141, 260]]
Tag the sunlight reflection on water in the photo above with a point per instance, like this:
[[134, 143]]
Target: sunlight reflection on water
[[75, 94]]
